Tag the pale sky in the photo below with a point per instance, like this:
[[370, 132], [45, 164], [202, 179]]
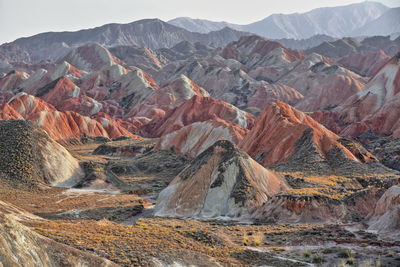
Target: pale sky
[[21, 18]]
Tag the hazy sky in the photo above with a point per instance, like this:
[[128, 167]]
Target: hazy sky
[[19, 18]]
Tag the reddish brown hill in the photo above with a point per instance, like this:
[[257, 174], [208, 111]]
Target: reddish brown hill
[[165, 99], [198, 109], [58, 91], [279, 131], [60, 125], [257, 45], [8, 113], [195, 138], [90, 57], [366, 64], [12, 80], [375, 109]]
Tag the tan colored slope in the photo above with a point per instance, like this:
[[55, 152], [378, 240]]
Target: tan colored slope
[[221, 181], [21, 246]]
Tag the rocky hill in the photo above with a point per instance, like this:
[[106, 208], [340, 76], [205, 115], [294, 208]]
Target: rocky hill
[[221, 181], [30, 158]]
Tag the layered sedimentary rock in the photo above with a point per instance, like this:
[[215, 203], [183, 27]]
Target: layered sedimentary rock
[[198, 109], [281, 130], [297, 208], [374, 109], [323, 84], [385, 219], [195, 138], [59, 125], [221, 181], [90, 57], [165, 99], [124, 86], [140, 57], [254, 71], [366, 64]]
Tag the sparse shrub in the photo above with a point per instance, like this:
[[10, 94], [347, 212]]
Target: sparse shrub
[[277, 248], [345, 253], [253, 240], [351, 261], [318, 258], [391, 254], [306, 254]]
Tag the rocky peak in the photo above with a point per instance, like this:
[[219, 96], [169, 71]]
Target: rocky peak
[[221, 181]]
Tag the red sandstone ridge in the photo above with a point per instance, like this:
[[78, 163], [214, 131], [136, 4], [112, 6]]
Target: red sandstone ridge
[[277, 131], [65, 95], [58, 91], [12, 80], [197, 109], [376, 108], [257, 45], [366, 64], [90, 57], [8, 113], [195, 138], [59, 125], [115, 127], [168, 97], [266, 60], [323, 85], [17, 81], [127, 87]]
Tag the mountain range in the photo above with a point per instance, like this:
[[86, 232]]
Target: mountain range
[[150, 33], [295, 31], [361, 19]]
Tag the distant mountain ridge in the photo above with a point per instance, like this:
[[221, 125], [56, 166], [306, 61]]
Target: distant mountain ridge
[[342, 21], [346, 46], [148, 33], [387, 24]]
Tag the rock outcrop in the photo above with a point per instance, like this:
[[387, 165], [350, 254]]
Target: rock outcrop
[[221, 181], [374, 109], [90, 57], [323, 84], [124, 86], [386, 217], [195, 138], [198, 109], [281, 130], [61, 125], [365, 64], [297, 208], [166, 98]]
